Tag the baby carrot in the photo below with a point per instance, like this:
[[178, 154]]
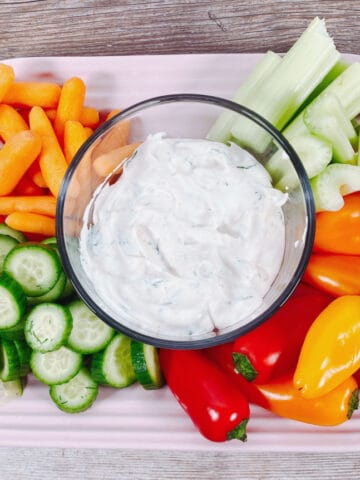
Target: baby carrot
[[28, 94], [35, 175], [50, 113], [40, 123], [117, 137], [89, 131], [52, 163], [89, 117], [112, 113], [11, 122], [44, 205], [70, 105], [31, 223], [16, 156], [7, 77], [74, 136], [107, 162]]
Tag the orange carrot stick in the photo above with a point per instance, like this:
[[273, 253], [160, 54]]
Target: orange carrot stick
[[7, 77], [89, 117], [44, 205], [43, 94], [52, 163], [112, 114], [74, 136], [35, 175], [31, 223], [70, 105], [11, 122], [117, 137], [89, 131], [16, 156], [39, 122], [51, 113], [106, 163]]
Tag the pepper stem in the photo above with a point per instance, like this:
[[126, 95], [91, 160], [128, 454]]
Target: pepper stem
[[243, 366], [239, 432], [353, 403]]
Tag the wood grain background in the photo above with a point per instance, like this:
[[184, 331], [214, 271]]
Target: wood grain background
[[127, 27], [108, 27]]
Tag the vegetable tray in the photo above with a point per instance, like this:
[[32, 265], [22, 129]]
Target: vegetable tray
[[134, 418]]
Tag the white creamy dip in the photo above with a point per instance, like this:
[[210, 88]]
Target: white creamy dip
[[188, 240]]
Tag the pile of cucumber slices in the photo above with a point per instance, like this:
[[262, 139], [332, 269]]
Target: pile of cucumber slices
[[45, 329]]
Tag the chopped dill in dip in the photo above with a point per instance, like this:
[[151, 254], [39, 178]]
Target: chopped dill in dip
[[187, 241]]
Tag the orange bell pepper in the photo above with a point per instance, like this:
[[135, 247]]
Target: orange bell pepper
[[331, 350], [282, 398], [335, 274], [339, 232]]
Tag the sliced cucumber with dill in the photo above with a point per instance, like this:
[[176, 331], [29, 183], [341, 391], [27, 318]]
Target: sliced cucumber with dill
[[47, 327], [34, 266], [11, 390], [145, 361], [76, 395], [7, 243], [89, 334], [5, 230], [57, 367], [24, 353], [52, 295], [14, 333], [12, 302], [113, 365], [10, 363]]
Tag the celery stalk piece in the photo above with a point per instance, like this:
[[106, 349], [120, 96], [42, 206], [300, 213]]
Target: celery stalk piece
[[277, 99], [220, 131], [314, 153], [332, 183], [347, 89], [327, 118]]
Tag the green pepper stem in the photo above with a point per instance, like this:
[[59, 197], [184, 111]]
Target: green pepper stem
[[244, 367], [239, 432]]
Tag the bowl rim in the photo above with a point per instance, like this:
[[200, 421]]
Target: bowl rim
[[308, 240]]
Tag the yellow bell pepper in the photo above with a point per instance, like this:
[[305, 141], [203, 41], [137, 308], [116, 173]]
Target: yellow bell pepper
[[331, 350]]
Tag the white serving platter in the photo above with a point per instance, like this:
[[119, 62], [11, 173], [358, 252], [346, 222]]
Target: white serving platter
[[134, 418]]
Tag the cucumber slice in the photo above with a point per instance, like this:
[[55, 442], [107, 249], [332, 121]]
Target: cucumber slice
[[89, 334], [145, 361], [50, 241], [34, 266], [10, 390], [5, 230], [10, 363], [54, 368], [52, 295], [14, 333], [113, 365], [12, 302], [76, 395], [24, 353], [7, 243], [47, 327]]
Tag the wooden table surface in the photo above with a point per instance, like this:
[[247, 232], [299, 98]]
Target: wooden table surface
[[127, 27]]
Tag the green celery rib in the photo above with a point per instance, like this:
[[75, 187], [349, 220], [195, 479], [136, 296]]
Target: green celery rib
[[279, 97], [220, 131], [332, 183], [315, 155], [347, 89], [326, 118]]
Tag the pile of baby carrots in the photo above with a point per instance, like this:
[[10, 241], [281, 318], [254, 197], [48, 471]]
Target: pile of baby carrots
[[42, 126]]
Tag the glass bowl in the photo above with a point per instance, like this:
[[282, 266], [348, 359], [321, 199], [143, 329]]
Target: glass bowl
[[186, 116]]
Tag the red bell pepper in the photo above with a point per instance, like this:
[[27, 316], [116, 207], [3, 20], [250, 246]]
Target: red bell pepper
[[217, 407], [272, 349], [282, 398]]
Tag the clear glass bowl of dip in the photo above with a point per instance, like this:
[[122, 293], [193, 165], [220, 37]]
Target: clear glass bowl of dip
[[181, 116]]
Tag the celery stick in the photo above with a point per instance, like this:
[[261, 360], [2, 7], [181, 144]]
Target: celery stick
[[332, 183], [314, 153], [327, 118], [303, 67], [220, 131], [347, 88]]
